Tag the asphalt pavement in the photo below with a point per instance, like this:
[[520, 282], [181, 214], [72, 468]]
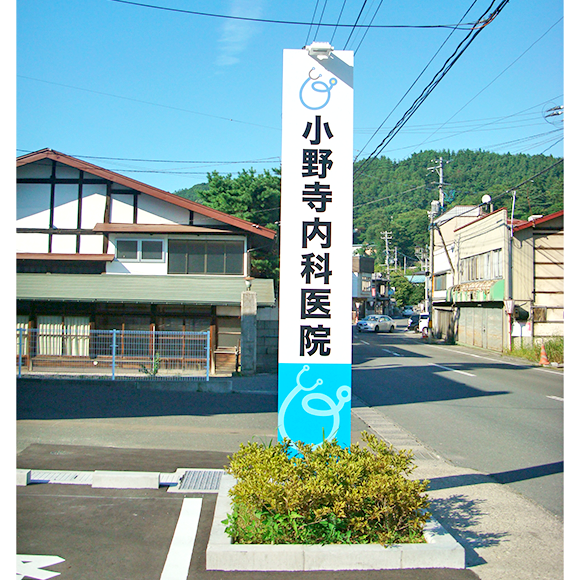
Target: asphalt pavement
[[127, 534]]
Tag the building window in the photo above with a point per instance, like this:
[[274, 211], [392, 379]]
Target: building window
[[440, 282], [140, 250], [152, 250], [488, 266], [205, 257], [127, 250]]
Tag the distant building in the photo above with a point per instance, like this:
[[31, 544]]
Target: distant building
[[496, 280]]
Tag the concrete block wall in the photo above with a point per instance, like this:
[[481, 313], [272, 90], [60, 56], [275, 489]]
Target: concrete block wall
[[267, 340]]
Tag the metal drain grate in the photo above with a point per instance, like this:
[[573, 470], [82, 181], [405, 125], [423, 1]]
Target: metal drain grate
[[201, 480], [67, 477]]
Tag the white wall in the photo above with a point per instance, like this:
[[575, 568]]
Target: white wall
[[156, 211]]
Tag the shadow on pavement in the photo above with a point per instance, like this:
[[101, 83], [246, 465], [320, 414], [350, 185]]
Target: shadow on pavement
[[461, 515], [501, 477], [67, 399]]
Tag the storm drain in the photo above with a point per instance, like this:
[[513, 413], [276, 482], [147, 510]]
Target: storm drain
[[200, 481]]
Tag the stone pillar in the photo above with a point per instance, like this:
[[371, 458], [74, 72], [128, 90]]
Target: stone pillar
[[249, 332]]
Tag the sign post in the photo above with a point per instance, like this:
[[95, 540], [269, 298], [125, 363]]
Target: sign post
[[314, 361]]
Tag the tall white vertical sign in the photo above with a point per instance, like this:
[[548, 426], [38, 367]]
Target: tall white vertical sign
[[314, 371]]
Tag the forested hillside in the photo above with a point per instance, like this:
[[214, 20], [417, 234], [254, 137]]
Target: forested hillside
[[395, 196]]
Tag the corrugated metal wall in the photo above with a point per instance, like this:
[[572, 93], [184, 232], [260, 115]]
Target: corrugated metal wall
[[481, 326], [548, 315]]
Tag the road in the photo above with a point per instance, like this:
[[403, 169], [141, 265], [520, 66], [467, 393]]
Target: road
[[472, 407]]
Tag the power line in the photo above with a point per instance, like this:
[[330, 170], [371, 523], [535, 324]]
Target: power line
[[459, 51], [414, 83], [507, 191], [367, 30], [389, 196], [338, 21], [465, 25], [497, 77], [354, 25], [262, 160], [470, 130], [321, 16], [147, 102], [311, 23]]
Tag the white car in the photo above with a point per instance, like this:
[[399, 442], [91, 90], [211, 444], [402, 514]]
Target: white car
[[376, 323], [423, 323]]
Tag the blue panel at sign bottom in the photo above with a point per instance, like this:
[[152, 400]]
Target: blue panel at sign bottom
[[314, 402]]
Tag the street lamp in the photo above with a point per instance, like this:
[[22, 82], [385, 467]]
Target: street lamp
[[319, 50]]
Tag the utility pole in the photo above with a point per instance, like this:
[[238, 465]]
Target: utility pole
[[435, 208], [439, 169], [387, 237]]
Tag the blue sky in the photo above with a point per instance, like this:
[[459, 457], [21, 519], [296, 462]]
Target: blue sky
[[165, 96]]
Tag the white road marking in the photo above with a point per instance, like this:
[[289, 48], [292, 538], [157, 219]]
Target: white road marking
[[30, 566], [504, 362], [392, 352], [365, 342], [450, 369], [555, 398], [179, 556], [548, 371]]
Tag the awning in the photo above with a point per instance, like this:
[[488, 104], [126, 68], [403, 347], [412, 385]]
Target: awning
[[214, 290]]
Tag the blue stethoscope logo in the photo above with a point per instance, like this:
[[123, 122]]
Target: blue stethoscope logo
[[343, 396], [313, 90]]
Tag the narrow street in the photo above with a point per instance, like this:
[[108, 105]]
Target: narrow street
[[472, 407]]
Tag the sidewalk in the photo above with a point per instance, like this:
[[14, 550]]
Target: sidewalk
[[504, 534]]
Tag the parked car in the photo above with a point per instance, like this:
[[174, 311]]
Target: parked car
[[423, 323], [413, 322], [418, 321], [376, 323], [408, 311]]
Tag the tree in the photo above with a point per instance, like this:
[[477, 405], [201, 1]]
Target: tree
[[252, 197], [406, 292]]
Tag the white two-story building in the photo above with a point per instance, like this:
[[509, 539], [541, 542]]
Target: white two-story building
[[98, 250]]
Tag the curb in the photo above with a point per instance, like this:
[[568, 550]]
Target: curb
[[440, 551]]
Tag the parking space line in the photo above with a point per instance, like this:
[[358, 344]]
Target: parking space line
[[555, 398], [32, 566], [179, 555]]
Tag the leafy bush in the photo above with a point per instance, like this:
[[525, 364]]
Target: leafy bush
[[554, 350], [325, 495]]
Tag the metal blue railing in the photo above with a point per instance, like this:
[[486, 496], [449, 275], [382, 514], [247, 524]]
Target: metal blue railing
[[115, 354]]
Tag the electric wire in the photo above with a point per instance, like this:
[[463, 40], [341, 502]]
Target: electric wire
[[338, 21], [414, 83], [465, 25], [468, 130], [182, 110], [321, 16], [459, 51], [354, 25], [367, 29], [311, 23], [508, 191], [497, 77]]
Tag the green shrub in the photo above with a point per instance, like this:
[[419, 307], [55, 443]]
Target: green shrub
[[554, 350], [325, 495]]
